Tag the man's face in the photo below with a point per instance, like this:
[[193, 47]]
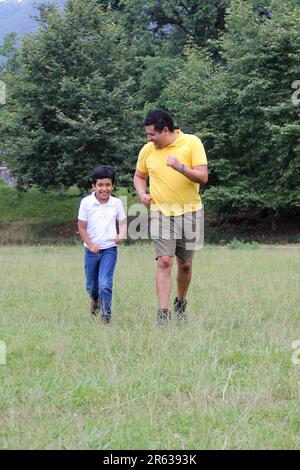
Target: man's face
[[103, 189], [158, 138]]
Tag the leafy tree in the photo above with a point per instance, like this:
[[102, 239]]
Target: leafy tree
[[79, 88], [10, 57], [242, 109], [72, 107], [169, 25], [157, 72], [10, 64]]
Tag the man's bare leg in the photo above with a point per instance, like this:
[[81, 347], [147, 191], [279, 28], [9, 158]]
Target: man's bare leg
[[184, 275], [163, 280]]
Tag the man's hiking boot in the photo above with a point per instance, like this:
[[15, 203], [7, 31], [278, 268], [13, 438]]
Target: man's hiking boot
[[163, 317], [95, 308], [179, 309]]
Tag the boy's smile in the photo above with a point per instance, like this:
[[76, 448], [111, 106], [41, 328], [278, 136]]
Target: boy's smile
[[103, 189]]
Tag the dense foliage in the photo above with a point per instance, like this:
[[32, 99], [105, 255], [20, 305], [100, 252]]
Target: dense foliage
[[78, 90]]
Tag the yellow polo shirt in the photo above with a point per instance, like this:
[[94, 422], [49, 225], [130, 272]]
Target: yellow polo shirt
[[172, 192]]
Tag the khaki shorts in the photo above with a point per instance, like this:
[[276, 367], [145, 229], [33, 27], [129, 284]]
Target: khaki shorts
[[177, 235]]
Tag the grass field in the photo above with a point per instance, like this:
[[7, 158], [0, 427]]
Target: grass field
[[225, 380]]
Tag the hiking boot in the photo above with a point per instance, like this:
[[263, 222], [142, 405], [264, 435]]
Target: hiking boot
[[106, 319], [179, 309], [163, 317], [95, 307]]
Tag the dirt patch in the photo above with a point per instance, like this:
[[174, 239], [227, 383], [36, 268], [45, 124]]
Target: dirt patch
[[35, 232], [248, 227]]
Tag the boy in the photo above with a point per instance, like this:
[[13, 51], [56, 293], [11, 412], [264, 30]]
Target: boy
[[97, 218]]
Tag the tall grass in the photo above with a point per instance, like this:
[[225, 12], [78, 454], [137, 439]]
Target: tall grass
[[225, 380]]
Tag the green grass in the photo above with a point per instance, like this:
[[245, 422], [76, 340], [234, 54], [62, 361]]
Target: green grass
[[225, 380]]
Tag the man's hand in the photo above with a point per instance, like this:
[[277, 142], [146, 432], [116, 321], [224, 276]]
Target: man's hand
[[173, 162], [145, 199], [95, 248]]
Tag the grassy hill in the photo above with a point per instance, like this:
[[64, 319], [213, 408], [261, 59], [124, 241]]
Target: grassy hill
[[36, 216]]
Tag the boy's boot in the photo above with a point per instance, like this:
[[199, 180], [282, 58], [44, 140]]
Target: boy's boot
[[106, 319], [95, 307], [179, 309], [105, 309], [163, 317]]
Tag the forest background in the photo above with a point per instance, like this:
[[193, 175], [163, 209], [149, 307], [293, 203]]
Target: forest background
[[78, 89]]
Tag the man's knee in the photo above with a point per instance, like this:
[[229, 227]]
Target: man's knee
[[185, 266], [165, 262]]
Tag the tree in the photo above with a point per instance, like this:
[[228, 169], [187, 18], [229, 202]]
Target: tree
[[72, 107], [174, 22], [84, 82], [242, 109], [10, 57]]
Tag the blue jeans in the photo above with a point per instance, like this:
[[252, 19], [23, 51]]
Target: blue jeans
[[99, 272]]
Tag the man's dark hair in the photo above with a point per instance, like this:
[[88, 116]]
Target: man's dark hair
[[102, 172], [160, 119]]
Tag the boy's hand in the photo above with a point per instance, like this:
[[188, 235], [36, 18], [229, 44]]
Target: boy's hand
[[118, 239], [95, 248]]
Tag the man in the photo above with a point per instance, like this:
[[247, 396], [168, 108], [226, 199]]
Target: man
[[175, 164]]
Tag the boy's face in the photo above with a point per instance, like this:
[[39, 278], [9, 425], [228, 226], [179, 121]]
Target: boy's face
[[103, 189]]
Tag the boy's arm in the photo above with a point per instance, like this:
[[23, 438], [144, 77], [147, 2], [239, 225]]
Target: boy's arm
[[122, 231], [94, 248]]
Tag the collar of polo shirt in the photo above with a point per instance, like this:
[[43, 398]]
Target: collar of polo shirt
[[108, 203]]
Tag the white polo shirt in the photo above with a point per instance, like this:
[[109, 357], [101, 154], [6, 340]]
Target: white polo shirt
[[101, 219]]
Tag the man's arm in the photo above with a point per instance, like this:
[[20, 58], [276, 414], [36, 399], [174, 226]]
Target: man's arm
[[198, 174], [139, 181], [94, 248]]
